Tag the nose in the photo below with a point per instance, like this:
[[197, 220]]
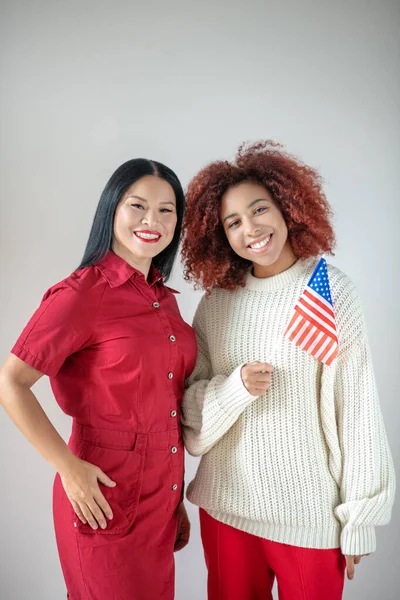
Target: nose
[[150, 218], [251, 228]]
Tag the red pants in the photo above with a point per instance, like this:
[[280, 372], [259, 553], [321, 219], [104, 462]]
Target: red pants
[[243, 567]]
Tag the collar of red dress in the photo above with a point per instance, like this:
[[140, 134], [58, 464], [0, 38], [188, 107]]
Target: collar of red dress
[[117, 271]]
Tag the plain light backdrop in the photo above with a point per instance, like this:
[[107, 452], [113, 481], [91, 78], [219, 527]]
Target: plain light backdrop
[[86, 85]]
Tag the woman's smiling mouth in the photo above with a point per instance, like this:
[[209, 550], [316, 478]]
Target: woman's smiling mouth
[[261, 244], [149, 237]]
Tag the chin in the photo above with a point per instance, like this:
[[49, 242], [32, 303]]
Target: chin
[[149, 252], [265, 261]]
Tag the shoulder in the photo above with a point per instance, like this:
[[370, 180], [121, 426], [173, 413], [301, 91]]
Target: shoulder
[[347, 307], [216, 299], [343, 290], [84, 286], [168, 293], [214, 309], [172, 290], [339, 281]]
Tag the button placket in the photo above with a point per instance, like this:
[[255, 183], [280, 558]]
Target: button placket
[[151, 294], [166, 325], [174, 444], [176, 458]]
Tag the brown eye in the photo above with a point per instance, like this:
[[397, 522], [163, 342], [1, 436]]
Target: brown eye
[[232, 224]]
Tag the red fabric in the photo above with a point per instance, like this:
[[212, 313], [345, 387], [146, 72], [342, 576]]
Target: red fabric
[[243, 567], [117, 353]]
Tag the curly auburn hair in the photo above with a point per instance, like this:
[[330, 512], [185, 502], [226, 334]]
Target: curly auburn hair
[[208, 259]]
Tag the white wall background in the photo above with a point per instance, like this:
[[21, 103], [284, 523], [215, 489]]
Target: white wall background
[[86, 85]]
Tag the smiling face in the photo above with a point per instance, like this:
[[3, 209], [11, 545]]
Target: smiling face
[[256, 229], [145, 221]]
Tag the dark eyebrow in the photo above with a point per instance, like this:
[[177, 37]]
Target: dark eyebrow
[[252, 203], [138, 197], [144, 199]]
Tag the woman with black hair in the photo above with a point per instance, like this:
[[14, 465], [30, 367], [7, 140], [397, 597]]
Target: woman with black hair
[[112, 341]]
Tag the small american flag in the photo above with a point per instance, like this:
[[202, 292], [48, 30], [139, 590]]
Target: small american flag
[[313, 326]]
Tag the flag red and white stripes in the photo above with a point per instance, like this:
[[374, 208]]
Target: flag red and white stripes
[[313, 326]]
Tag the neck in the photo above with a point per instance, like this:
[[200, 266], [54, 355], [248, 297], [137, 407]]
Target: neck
[[286, 259], [141, 265]]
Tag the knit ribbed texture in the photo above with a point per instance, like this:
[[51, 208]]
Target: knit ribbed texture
[[307, 463]]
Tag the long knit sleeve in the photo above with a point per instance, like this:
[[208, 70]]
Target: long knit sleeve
[[367, 481], [211, 403]]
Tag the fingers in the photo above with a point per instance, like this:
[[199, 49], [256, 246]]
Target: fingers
[[92, 510], [103, 504], [182, 540], [256, 377], [183, 536], [93, 515], [262, 379], [81, 485], [105, 479], [97, 514], [260, 367], [78, 512], [99, 506], [180, 544], [351, 562], [89, 516], [350, 567]]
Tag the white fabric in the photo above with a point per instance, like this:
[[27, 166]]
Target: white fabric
[[308, 462]]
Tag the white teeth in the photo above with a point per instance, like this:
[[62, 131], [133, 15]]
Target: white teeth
[[261, 244], [147, 236]]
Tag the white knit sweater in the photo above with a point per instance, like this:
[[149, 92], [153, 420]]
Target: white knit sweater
[[307, 463]]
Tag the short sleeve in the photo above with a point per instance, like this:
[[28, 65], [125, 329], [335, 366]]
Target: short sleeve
[[60, 327]]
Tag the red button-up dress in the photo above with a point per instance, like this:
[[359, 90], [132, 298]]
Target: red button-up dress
[[117, 353]]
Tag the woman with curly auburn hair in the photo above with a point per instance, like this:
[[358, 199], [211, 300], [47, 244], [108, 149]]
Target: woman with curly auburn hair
[[282, 405]]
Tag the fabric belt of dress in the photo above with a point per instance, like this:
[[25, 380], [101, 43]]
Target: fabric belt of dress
[[127, 440]]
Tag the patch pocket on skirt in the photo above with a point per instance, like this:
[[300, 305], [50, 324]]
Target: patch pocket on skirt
[[123, 466]]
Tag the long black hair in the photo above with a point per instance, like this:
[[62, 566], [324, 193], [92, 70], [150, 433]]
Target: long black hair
[[101, 234]]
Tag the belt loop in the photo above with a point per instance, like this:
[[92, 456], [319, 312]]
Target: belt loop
[[141, 443]]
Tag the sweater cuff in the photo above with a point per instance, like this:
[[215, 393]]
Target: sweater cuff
[[356, 541], [235, 397]]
